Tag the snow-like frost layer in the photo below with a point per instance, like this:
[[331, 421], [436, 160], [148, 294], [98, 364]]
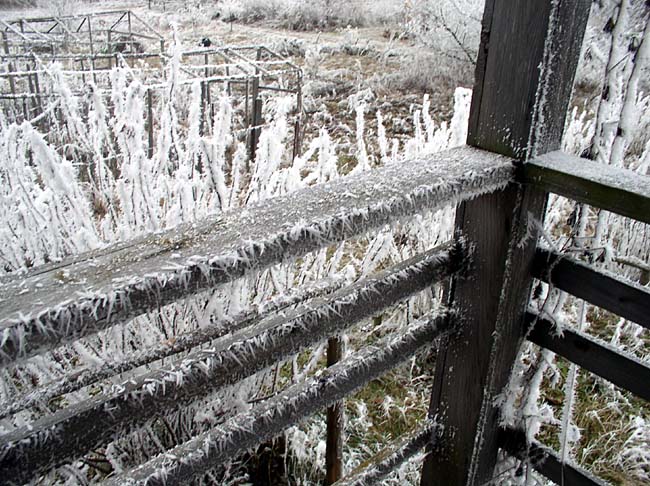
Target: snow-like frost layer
[[615, 177], [89, 375]]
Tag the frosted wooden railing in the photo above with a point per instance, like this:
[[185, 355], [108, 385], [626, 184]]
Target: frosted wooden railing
[[109, 287]]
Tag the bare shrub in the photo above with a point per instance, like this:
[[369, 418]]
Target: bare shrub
[[311, 14]]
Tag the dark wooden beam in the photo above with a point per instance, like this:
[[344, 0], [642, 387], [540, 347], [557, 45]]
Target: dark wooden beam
[[595, 286], [626, 372], [545, 460], [615, 189], [527, 60], [335, 420]]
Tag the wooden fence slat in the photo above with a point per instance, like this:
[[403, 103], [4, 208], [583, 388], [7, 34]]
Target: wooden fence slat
[[626, 372], [374, 470], [595, 286], [615, 189], [69, 433], [84, 377], [61, 302], [266, 421], [545, 461], [519, 115]]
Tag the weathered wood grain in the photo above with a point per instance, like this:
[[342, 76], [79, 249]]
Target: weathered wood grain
[[600, 288], [615, 189]]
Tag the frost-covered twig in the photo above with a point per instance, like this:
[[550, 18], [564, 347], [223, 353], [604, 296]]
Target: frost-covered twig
[[389, 459]]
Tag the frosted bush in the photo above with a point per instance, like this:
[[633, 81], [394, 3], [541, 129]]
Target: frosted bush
[[312, 14], [44, 210]]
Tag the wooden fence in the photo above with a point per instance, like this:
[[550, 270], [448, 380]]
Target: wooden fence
[[528, 57]]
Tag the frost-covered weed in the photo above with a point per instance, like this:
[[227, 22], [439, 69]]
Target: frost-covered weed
[[126, 187]]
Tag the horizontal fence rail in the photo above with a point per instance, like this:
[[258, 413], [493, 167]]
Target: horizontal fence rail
[[66, 435], [267, 420], [389, 459], [116, 284], [600, 288], [626, 372], [183, 342], [618, 190], [545, 461]]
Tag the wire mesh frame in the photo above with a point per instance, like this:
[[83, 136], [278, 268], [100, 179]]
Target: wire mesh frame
[[99, 32], [249, 74]]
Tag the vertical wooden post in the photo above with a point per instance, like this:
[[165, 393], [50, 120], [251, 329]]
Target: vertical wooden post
[[10, 69], [524, 75], [90, 36], [228, 90], [5, 42], [255, 127], [335, 421], [246, 99], [37, 87], [297, 129], [92, 49], [82, 67], [110, 49], [202, 121], [11, 80], [256, 111]]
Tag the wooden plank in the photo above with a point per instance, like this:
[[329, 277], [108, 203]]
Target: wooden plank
[[61, 302], [624, 371], [600, 288], [262, 423], [518, 115], [618, 190], [71, 432], [390, 458], [545, 460], [85, 376]]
